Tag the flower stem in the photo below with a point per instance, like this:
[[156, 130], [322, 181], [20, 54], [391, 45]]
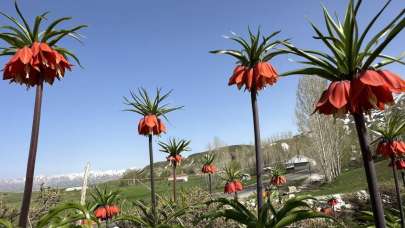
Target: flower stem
[[29, 178], [369, 168], [209, 183], [394, 171], [259, 159], [174, 182], [152, 180]]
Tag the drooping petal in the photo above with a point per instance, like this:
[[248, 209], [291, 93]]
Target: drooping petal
[[25, 55], [238, 186], [151, 121], [393, 81], [162, 127], [237, 76], [339, 94], [399, 147], [372, 78], [249, 79]]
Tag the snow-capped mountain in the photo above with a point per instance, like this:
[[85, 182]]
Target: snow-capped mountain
[[60, 181]]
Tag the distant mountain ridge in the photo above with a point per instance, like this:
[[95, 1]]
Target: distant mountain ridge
[[60, 181]]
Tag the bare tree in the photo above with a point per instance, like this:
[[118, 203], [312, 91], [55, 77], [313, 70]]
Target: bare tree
[[326, 133]]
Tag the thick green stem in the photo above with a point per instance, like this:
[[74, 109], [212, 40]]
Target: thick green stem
[[369, 169], [259, 159], [174, 183], [152, 180], [209, 183], [398, 192], [29, 178]]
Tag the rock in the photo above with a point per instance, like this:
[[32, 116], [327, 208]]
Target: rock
[[362, 195], [292, 189]]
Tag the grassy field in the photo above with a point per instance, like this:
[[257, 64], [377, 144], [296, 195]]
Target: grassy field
[[349, 181], [354, 180], [139, 191]]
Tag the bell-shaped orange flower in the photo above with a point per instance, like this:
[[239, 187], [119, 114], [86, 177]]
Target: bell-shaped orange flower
[[258, 77], [278, 180], [101, 213], [229, 187], [151, 125], [207, 168], [335, 99], [238, 186], [391, 148], [19, 68], [106, 212], [49, 62], [175, 160], [373, 89], [35, 64]]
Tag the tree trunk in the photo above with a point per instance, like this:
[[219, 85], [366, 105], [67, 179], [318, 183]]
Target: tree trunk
[[259, 160], [369, 168], [29, 178], [152, 180], [394, 171], [209, 183], [174, 182]]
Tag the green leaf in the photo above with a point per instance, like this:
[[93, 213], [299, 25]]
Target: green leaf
[[37, 23], [51, 26], [392, 34], [298, 216], [27, 26], [314, 71], [5, 224]]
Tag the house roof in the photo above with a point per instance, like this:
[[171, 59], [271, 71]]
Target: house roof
[[300, 159]]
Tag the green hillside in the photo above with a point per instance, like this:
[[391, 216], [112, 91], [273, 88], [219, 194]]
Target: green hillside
[[354, 180]]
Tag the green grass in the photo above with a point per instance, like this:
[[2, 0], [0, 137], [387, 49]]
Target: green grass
[[139, 191], [354, 180], [349, 181]]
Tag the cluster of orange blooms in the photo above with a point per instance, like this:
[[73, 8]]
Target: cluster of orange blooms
[[106, 212], [278, 180], [391, 148], [151, 125], [175, 160], [233, 186], [258, 77], [371, 89], [33, 65], [209, 168]]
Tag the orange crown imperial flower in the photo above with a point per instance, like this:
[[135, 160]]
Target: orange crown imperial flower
[[258, 77], [391, 148], [106, 212], [373, 89], [176, 159], [370, 90], [33, 65], [151, 125], [335, 99], [233, 186], [238, 186], [278, 180], [207, 168], [229, 187]]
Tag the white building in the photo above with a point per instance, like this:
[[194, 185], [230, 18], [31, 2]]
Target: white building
[[299, 162], [183, 178]]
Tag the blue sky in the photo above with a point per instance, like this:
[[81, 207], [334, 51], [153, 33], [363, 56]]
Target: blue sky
[[152, 44]]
